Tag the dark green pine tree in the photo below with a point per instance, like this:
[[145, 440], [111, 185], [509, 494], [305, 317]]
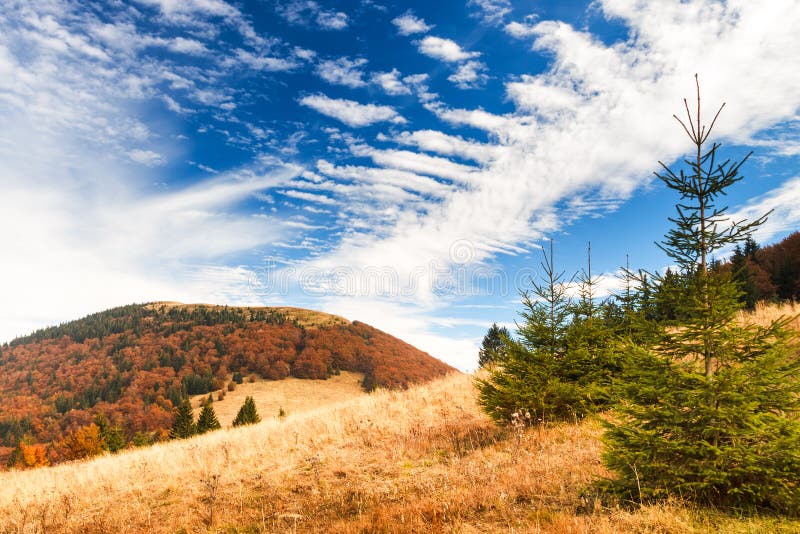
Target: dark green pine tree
[[709, 411], [184, 426], [493, 345], [113, 436], [522, 386], [247, 413], [592, 358], [207, 420], [743, 265], [548, 373]]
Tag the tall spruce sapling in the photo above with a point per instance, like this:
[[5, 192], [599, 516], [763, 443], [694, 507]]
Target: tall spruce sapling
[[183, 426], [592, 357], [556, 368], [247, 414], [523, 384], [709, 411], [207, 420]]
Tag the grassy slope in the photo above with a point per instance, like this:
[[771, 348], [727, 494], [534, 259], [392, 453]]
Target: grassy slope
[[421, 460], [292, 394]]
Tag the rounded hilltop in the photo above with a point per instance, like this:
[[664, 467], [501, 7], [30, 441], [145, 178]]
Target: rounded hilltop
[[307, 318], [131, 366]]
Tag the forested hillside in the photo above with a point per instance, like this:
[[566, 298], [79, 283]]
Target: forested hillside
[[768, 273], [126, 369]]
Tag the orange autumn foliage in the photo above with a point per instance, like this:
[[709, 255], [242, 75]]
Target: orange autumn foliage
[[30, 455], [83, 442]]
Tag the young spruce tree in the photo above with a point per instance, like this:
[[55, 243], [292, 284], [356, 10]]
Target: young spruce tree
[[207, 420], [184, 426], [247, 414], [709, 411], [558, 367]]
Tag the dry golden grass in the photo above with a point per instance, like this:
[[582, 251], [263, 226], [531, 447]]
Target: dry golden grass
[[765, 313], [294, 395], [421, 460]]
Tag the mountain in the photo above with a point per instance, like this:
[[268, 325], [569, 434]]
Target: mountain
[[129, 367]]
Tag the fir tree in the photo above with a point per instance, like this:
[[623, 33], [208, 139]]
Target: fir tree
[[492, 346], [247, 413], [556, 369], [184, 426], [113, 436], [591, 360], [709, 411], [207, 420]]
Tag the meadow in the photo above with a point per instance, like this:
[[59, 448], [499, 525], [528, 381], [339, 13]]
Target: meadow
[[425, 459]]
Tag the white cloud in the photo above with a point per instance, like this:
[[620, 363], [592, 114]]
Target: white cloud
[[302, 12], [398, 178], [420, 163], [521, 30], [409, 24], [470, 75], [304, 53], [444, 49], [391, 82], [308, 197], [543, 97], [332, 20], [210, 7], [265, 62], [410, 324], [448, 145], [785, 203], [612, 104], [343, 71], [350, 112], [491, 11], [147, 157], [187, 46]]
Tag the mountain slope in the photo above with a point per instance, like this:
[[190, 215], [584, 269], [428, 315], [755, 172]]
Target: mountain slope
[[421, 460], [134, 364]]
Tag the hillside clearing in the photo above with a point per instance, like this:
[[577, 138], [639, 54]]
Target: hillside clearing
[[294, 395], [421, 460]]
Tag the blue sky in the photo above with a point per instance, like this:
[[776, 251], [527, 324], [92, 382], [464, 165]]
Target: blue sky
[[398, 163]]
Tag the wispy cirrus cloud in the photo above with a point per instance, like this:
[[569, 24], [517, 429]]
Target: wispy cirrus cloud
[[491, 11], [783, 202], [591, 101], [350, 112], [146, 157], [304, 12]]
